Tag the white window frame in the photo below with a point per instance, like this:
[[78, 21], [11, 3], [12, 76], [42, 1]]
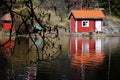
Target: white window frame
[[86, 23]]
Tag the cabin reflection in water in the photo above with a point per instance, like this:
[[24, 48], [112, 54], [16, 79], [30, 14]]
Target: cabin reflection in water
[[87, 52], [7, 46]]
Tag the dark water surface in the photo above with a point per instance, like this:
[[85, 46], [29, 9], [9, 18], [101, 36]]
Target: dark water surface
[[64, 58]]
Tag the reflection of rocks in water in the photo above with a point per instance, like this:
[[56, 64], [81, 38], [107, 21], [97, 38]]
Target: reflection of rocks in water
[[22, 44], [38, 42], [47, 48], [27, 73], [21, 54], [25, 53]]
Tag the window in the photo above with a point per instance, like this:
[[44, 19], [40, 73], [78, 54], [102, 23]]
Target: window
[[85, 23]]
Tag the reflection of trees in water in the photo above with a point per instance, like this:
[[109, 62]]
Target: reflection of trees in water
[[48, 49], [26, 19]]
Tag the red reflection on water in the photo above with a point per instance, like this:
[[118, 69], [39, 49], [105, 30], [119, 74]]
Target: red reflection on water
[[7, 46], [88, 52], [88, 60]]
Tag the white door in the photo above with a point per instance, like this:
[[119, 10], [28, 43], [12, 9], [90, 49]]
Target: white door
[[98, 25]]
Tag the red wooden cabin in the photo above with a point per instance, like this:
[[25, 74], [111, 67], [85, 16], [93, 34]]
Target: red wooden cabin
[[86, 20], [7, 22]]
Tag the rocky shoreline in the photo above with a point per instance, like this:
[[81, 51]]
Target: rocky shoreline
[[93, 35]]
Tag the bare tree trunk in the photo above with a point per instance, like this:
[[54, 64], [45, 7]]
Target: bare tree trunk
[[109, 7]]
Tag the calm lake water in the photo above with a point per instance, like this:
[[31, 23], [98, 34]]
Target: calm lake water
[[64, 58]]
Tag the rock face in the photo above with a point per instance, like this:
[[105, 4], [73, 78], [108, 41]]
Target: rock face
[[111, 25]]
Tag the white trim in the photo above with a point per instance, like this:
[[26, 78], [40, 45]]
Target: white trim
[[70, 24], [76, 45], [76, 26]]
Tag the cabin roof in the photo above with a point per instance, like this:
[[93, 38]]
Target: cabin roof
[[85, 14], [6, 17]]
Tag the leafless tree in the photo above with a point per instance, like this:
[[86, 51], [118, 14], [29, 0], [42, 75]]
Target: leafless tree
[[24, 16]]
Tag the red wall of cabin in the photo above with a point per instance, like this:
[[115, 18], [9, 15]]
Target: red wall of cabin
[[72, 24], [91, 27]]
